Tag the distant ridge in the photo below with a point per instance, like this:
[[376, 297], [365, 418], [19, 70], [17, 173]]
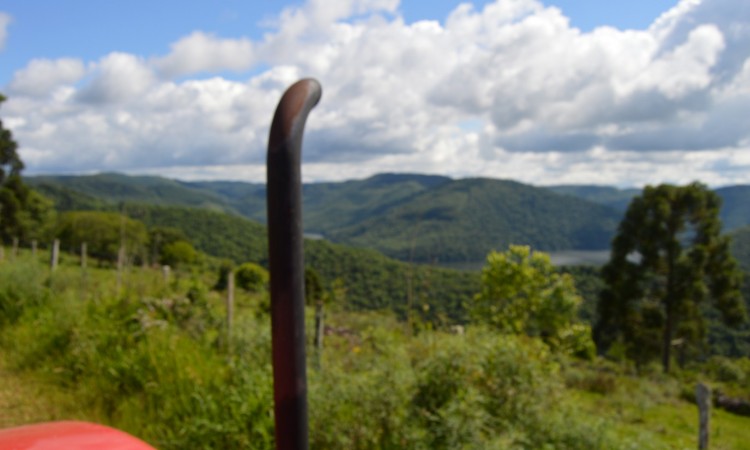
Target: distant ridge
[[735, 210], [413, 217]]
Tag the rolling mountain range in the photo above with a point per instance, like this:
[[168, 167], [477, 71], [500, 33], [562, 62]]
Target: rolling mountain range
[[420, 218]]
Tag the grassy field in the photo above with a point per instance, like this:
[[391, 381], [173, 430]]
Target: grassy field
[[150, 356]]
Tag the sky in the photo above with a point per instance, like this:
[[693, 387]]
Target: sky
[[623, 93]]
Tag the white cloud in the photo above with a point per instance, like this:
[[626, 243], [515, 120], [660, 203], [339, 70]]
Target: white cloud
[[5, 20], [201, 52], [118, 77], [511, 90], [42, 76]]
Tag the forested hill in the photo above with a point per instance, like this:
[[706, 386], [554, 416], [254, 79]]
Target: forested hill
[[116, 187], [412, 217], [371, 280], [735, 212], [462, 220], [617, 199]]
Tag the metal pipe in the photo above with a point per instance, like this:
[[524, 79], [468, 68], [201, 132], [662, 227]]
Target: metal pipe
[[286, 263]]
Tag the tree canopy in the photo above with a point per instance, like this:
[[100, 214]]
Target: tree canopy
[[667, 259], [103, 233], [523, 293], [24, 214]]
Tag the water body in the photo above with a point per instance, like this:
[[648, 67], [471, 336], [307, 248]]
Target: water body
[[562, 258]]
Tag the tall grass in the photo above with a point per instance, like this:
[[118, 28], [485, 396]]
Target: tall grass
[[150, 359]]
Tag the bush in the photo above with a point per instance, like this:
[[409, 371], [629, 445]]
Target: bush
[[251, 277], [177, 254], [22, 286], [726, 370]]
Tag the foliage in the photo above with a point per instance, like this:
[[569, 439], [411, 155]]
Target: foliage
[[740, 247], [24, 214], [313, 287], [147, 361], [251, 277], [407, 216], [21, 286], [66, 199], [159, 238], [589, 284], [668, 257], [115, 188], [211, 232], [371, 280], [103, 233], [522, 293], [617, 199], [178, 254], [461, 220]]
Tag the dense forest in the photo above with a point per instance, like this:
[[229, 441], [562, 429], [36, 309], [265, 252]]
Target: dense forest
[[410, 217]]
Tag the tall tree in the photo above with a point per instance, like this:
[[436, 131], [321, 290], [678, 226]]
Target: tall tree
[[667, 258], [10, 163], [20, 208]]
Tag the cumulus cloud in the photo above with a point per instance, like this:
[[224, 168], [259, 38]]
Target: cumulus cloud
[[508, 90], [118, 77], [42, 76], [201, 52], [4, 22]]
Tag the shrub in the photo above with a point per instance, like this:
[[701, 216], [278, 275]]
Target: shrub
[[726, 370], [22, 286], [251, 277]]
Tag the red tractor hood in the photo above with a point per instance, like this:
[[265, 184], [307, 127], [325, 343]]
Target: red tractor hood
[[68, 436]]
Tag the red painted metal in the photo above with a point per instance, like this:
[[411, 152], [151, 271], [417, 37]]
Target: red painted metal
[[68, 435]]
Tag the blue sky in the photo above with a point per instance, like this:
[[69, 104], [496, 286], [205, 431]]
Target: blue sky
[[563, 91], [90, 29]]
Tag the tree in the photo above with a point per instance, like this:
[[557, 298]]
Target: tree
[[667, 258], [103, 233], [178, 253], [10, 163], [161, 237], [24, 213], [523, 293], [251, 277]]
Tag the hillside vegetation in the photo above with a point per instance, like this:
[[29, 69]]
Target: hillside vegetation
[[372, 280], [462, 220], [741, 247], [734, 212], [152, 356], [409, 217]]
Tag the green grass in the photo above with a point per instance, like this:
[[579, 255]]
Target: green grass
[[648, 410], [150, 357]]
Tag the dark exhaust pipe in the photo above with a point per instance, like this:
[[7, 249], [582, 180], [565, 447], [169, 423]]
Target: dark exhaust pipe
[[284, 201]]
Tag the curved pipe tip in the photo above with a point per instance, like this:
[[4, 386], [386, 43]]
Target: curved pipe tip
[[291, 113]]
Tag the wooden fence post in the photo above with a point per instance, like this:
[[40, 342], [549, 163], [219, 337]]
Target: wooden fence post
[[83, 256], [703, 399], [165, 273], [54, 255], [33, 248], [120, 265], [15, 248], [319, 329]]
